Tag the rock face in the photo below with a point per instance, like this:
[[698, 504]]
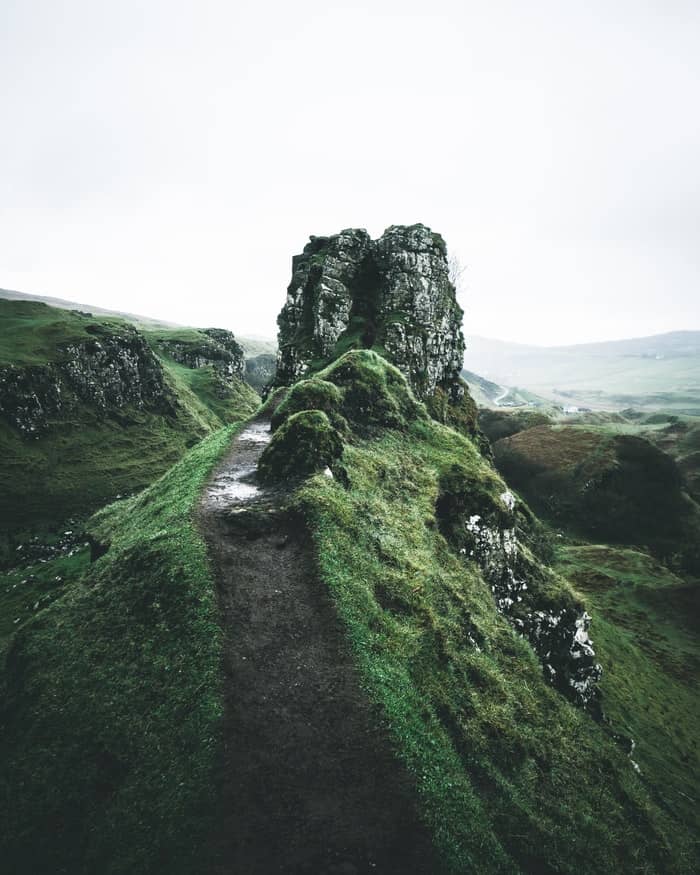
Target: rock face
[[213, 347], [392, 295], [217, 348], [491, 529], [111, 370]]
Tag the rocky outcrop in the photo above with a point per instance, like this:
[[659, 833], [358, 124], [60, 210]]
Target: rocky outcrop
[[392, 295], [213, 347], [489, 527], [113, 369]]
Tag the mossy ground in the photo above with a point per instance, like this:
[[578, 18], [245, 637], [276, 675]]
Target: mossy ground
[[606, 486], [113, 697], [34, 333], [511, 776], [646, 621]]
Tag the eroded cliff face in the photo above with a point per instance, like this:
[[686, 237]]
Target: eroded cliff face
[[217, 349], [113, 369], [392, 295], [492, 529]]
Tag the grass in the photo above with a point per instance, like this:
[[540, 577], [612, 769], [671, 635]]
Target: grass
[[87, 457], [84, 462], [113, 697], [605, 486], [511, 777], [34, 334], [218, 406], [646, 632], [31, 588], [112, 702]]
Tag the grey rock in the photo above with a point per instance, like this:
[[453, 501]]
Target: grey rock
[[392, 294], [110, 370]]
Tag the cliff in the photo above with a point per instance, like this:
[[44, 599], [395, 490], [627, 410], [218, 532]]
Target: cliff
[[112, 368]]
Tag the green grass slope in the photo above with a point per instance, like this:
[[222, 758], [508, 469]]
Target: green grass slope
[[607, 483], [111, 702], [200, 385], [512, 777], [646, 632]]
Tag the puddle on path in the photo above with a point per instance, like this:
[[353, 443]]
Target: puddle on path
[[235, 484]]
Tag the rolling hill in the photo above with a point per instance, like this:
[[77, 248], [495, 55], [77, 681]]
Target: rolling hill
[[661, 372]]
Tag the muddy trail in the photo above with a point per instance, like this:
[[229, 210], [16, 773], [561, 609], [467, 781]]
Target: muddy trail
[[309, 783]]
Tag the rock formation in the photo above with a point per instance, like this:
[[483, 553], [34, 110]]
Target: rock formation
[[215, 348], [112, 369], [392, 295]]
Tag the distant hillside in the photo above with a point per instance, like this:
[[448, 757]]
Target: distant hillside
[[252, 346], [62, 304], [648, 373]]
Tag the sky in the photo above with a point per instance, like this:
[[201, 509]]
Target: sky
[[169, 158]]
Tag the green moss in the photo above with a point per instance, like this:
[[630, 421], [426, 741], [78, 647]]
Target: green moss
[[511, 777], [375, 393], [34, 333], [110, 721], [307, 395], [305, 443]]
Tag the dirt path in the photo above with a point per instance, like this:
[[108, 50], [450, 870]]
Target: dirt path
[[309, 782]]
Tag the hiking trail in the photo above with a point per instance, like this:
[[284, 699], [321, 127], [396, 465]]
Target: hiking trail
[[309, 783]]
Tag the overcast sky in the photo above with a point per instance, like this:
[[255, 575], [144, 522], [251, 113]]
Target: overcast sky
[[169, 157]]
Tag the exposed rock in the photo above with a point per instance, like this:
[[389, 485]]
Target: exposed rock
[[392, 295], [215, 348], [484, 528], [111, 370]]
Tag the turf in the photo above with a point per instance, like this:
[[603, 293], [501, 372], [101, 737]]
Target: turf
[[511, 776], [34, 334], [647, 624], [113, 697]]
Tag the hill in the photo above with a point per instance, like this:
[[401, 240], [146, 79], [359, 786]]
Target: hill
[[651, 373], [91, 408], [334, 639], [252, 346], [507, 771]]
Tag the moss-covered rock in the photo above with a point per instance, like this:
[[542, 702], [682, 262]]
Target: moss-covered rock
[[483, 521], [304, 444], [374, 393], [311, 394]]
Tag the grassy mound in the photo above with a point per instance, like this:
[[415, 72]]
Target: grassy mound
[[608, 486], [362, 388], [305, 443], [646, 629], [112, 697], [512, 776]]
